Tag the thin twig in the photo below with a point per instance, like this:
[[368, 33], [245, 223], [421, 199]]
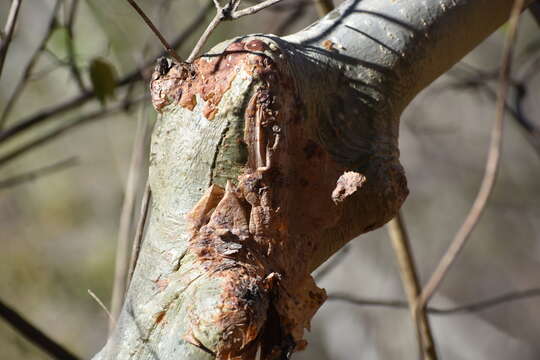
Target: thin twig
[[336, 260], [8, 31], [126, 219], [148, 22], [38, 173], [226, 12], [139, 233], [23, 81], [81, 99], [51, 134], [34, 335], [462, 309], [204, 37], [253, 9], [480, 79], [70, 45], [407, 269], [492, 165], [100, 303]]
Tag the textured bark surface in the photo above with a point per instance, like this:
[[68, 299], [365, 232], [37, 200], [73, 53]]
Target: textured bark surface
[[271, 154]]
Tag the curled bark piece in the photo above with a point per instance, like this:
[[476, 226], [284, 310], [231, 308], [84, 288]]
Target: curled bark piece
[[347, 184]]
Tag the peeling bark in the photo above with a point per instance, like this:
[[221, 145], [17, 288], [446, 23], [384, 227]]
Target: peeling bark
[[271, 154]]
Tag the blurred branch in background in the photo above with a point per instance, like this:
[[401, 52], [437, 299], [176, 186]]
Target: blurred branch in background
[[467, 77], [77, 101], [8, 31], [29, 68], [462, 309], [409, 278], [135, 177], [490, 175], [38, 173], [70, 45], [332, 263], [66, 126], [34, 335]]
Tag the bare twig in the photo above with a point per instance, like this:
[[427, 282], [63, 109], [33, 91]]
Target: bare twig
[[492, 165], [462, 309], [148, 22], [226, 12], [204, 37], [284, 6], [477, 79], [323, 6], [70, 24], [407, 269], [253, 9], [100, 303], [27, 72], [334, 261], [81, 99], [34, 335], [38, 173], [126, 218], [8, 31], [51, 134]]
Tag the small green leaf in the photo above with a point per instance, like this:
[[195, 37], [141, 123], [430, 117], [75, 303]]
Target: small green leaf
[[103, 78]]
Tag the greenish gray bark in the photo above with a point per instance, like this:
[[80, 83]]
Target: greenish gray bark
[[305, 128]]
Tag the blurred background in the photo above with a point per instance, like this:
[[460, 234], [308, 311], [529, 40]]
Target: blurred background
[[59, 227]]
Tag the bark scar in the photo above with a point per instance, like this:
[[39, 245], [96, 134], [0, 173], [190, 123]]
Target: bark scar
[[347, 184]]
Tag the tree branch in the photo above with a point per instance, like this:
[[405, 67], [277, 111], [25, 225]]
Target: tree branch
[[27, 72], [8, 31], [38, 173], [79, 100], [61, 129], [462, 309], [34, 335], [407, 270], [169, 48], [492, 166], [265, 129], [76, 74], [227, 12], [333, 262], [121, 275]]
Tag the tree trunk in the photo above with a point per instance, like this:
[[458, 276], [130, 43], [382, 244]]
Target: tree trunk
[[271, 154]]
